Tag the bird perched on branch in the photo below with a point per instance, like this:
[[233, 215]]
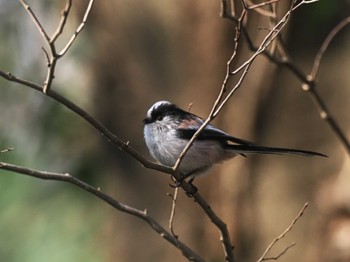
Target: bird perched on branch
[[168, 129]]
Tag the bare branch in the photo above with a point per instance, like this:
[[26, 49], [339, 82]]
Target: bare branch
[[257, 7], [280, 254], [36, 21], [78, 30], [309, 87], [6, 150], [63, 21], [289, 228], [172, 213], [52, 56], [325, 45], [326, 115], [186, 251]]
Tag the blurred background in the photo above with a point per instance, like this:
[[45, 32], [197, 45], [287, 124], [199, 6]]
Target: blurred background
[[131, 54]]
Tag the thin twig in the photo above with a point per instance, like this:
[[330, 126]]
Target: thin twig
[[78, 30], [172, 213], [289, 228], [35, 20], [315, 96], [326, 115], [280, 254], [325, 45], [186, 251], [63, 21], [6, 150], [52, 56], [257, 7]]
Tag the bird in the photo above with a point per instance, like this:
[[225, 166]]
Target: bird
[[168, 129]]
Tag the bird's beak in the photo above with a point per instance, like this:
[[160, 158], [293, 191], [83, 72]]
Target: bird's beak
[[147, 121]]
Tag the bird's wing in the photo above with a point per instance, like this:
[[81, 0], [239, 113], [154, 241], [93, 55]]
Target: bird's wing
[[211, 133]]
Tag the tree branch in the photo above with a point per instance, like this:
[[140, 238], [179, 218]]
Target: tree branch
[[186, 251], [315, 96], [172, 213], [289, 228], [53, 56], [280, 254], [63, 21], [78, 30]]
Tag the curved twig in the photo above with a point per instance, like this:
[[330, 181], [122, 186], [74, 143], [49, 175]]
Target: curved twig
[[289, 228]]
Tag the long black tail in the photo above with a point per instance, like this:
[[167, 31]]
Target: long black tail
[[252, 149]]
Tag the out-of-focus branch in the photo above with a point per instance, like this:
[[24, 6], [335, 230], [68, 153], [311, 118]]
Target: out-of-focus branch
[[309, 83], [35, 20], [52, 55], [288, 229], [186, 251], [325, 45], [249, 5], [63, 21], [172, 213], [280, 254], [78, 30], [308, 80], [312, 91], [6, 150]]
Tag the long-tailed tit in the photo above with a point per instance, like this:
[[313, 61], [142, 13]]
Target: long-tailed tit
[[167, 130]]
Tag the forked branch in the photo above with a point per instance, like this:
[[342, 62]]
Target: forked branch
[[52, 55]]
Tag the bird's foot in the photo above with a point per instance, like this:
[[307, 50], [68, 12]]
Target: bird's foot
[[178, 182], [193, 189]]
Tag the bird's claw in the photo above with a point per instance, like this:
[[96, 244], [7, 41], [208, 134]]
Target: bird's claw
[[177, 183]]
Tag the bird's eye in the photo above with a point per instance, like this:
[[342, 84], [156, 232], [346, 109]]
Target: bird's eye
[[159, 118]]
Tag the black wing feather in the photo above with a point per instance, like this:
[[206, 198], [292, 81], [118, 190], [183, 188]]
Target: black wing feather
[[211, 134]]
